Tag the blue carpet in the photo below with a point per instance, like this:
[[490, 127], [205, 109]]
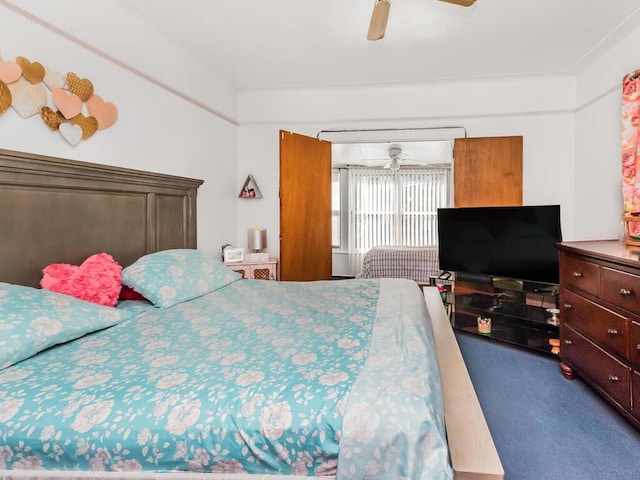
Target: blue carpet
[[544, 426]]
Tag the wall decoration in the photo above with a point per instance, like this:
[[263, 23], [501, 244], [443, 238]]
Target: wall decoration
[[631, 156], [105, 112], [89, 125], [27, 98], [9, 72], [71, 133], [33, 72], [82, 87], [53, 119], [53, 79], [5, 97], [30, 88], [69, 104]]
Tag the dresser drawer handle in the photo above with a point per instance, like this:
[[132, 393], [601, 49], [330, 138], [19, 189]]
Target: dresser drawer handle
[[613, 378], [567, 305], [569, 342], [624, 292], [612, 331], [638, 347], [577, 274]]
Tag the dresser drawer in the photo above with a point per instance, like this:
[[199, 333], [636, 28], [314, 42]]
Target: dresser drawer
[[635, 395], [634, 347], [606, 328], [621, 289], [580, 274], [612, 376]]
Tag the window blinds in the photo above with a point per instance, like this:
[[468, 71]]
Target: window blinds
[[400, 208]]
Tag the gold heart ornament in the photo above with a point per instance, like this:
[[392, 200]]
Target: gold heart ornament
[[89, 125], [52, 119], [82, 87], [5, 97], [34, 72]]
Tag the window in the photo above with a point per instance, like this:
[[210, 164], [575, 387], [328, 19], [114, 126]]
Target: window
[[335, 208], [384, 208]]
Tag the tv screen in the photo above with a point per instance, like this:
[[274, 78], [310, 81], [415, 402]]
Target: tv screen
[[516, 242]]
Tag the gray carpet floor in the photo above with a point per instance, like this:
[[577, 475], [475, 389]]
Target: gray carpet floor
[[544, 426]]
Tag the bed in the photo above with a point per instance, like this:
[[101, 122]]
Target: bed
[[249, 379], [413, 263]]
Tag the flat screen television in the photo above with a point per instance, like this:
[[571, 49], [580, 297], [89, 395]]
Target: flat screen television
[[515, 242]]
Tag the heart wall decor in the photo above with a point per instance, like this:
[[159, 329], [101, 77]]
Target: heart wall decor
[[71, 133], [9, 72], [27, 99], [81, 87], [33, 72], [53, 79], [105, 112], [61, 100], [69, 104], [5, 97], [52, 119], [89, 125]]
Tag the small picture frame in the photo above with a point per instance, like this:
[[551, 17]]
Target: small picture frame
[[233, 254]]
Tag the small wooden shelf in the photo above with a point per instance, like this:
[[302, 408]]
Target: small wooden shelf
[[250, 189]]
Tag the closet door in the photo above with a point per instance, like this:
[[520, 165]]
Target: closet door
[[305, 208], [487, 171]]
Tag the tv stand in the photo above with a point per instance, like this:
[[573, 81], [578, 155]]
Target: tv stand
[[518, 310]]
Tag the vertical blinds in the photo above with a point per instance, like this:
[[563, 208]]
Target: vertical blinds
[[387, 208]]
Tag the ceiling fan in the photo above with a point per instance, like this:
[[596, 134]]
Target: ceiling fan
[[380, 15], [395, 157]]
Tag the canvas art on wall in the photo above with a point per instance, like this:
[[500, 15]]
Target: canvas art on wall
[[630, 154]]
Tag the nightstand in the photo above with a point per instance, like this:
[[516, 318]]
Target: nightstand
[[264, 270]]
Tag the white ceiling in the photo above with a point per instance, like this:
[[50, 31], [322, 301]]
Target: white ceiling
[[286, 43]]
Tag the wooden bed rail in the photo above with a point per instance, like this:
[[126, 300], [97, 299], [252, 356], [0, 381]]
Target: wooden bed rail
[[473, 453]]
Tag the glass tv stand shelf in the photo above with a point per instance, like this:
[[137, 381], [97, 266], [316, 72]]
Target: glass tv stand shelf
[[520, 313]]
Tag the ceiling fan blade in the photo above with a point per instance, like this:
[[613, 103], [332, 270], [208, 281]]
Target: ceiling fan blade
[[379, 18], [462, 3]]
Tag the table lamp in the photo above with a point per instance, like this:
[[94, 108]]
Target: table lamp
[[257, 239]]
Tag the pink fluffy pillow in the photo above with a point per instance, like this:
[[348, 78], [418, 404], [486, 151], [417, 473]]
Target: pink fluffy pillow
[[97, 280]]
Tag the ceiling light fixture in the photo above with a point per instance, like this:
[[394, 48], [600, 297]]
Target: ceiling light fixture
[[379, 18], [394, 165]]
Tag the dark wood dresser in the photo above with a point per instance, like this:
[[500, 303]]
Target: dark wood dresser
[[600, 319]]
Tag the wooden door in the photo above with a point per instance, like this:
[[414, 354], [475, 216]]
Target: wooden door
[[487, 172], [305, 208]]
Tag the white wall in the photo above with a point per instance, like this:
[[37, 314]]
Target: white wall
[[570, 125], [598, 178], [539, 109], [156, 129]]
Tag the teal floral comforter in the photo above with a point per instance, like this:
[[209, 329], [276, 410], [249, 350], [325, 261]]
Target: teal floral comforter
[[333, 378]]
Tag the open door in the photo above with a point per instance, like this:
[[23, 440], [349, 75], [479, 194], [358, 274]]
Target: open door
[[487, 172], [305, 208]]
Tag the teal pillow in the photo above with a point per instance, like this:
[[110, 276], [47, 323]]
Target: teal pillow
[[32, 320], [169, 277]]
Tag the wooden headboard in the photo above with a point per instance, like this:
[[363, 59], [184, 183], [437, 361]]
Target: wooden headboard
[[55, 210]]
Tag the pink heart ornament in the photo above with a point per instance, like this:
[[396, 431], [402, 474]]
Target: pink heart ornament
[[105, 112], [69, 104], [53, 79], [71, 133], [27, 99], [9, 72]]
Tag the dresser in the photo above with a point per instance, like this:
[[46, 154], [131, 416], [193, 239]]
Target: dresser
[[600, 320], [264, 270]]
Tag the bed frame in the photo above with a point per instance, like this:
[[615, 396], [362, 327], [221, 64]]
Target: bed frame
[[54, 210]]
